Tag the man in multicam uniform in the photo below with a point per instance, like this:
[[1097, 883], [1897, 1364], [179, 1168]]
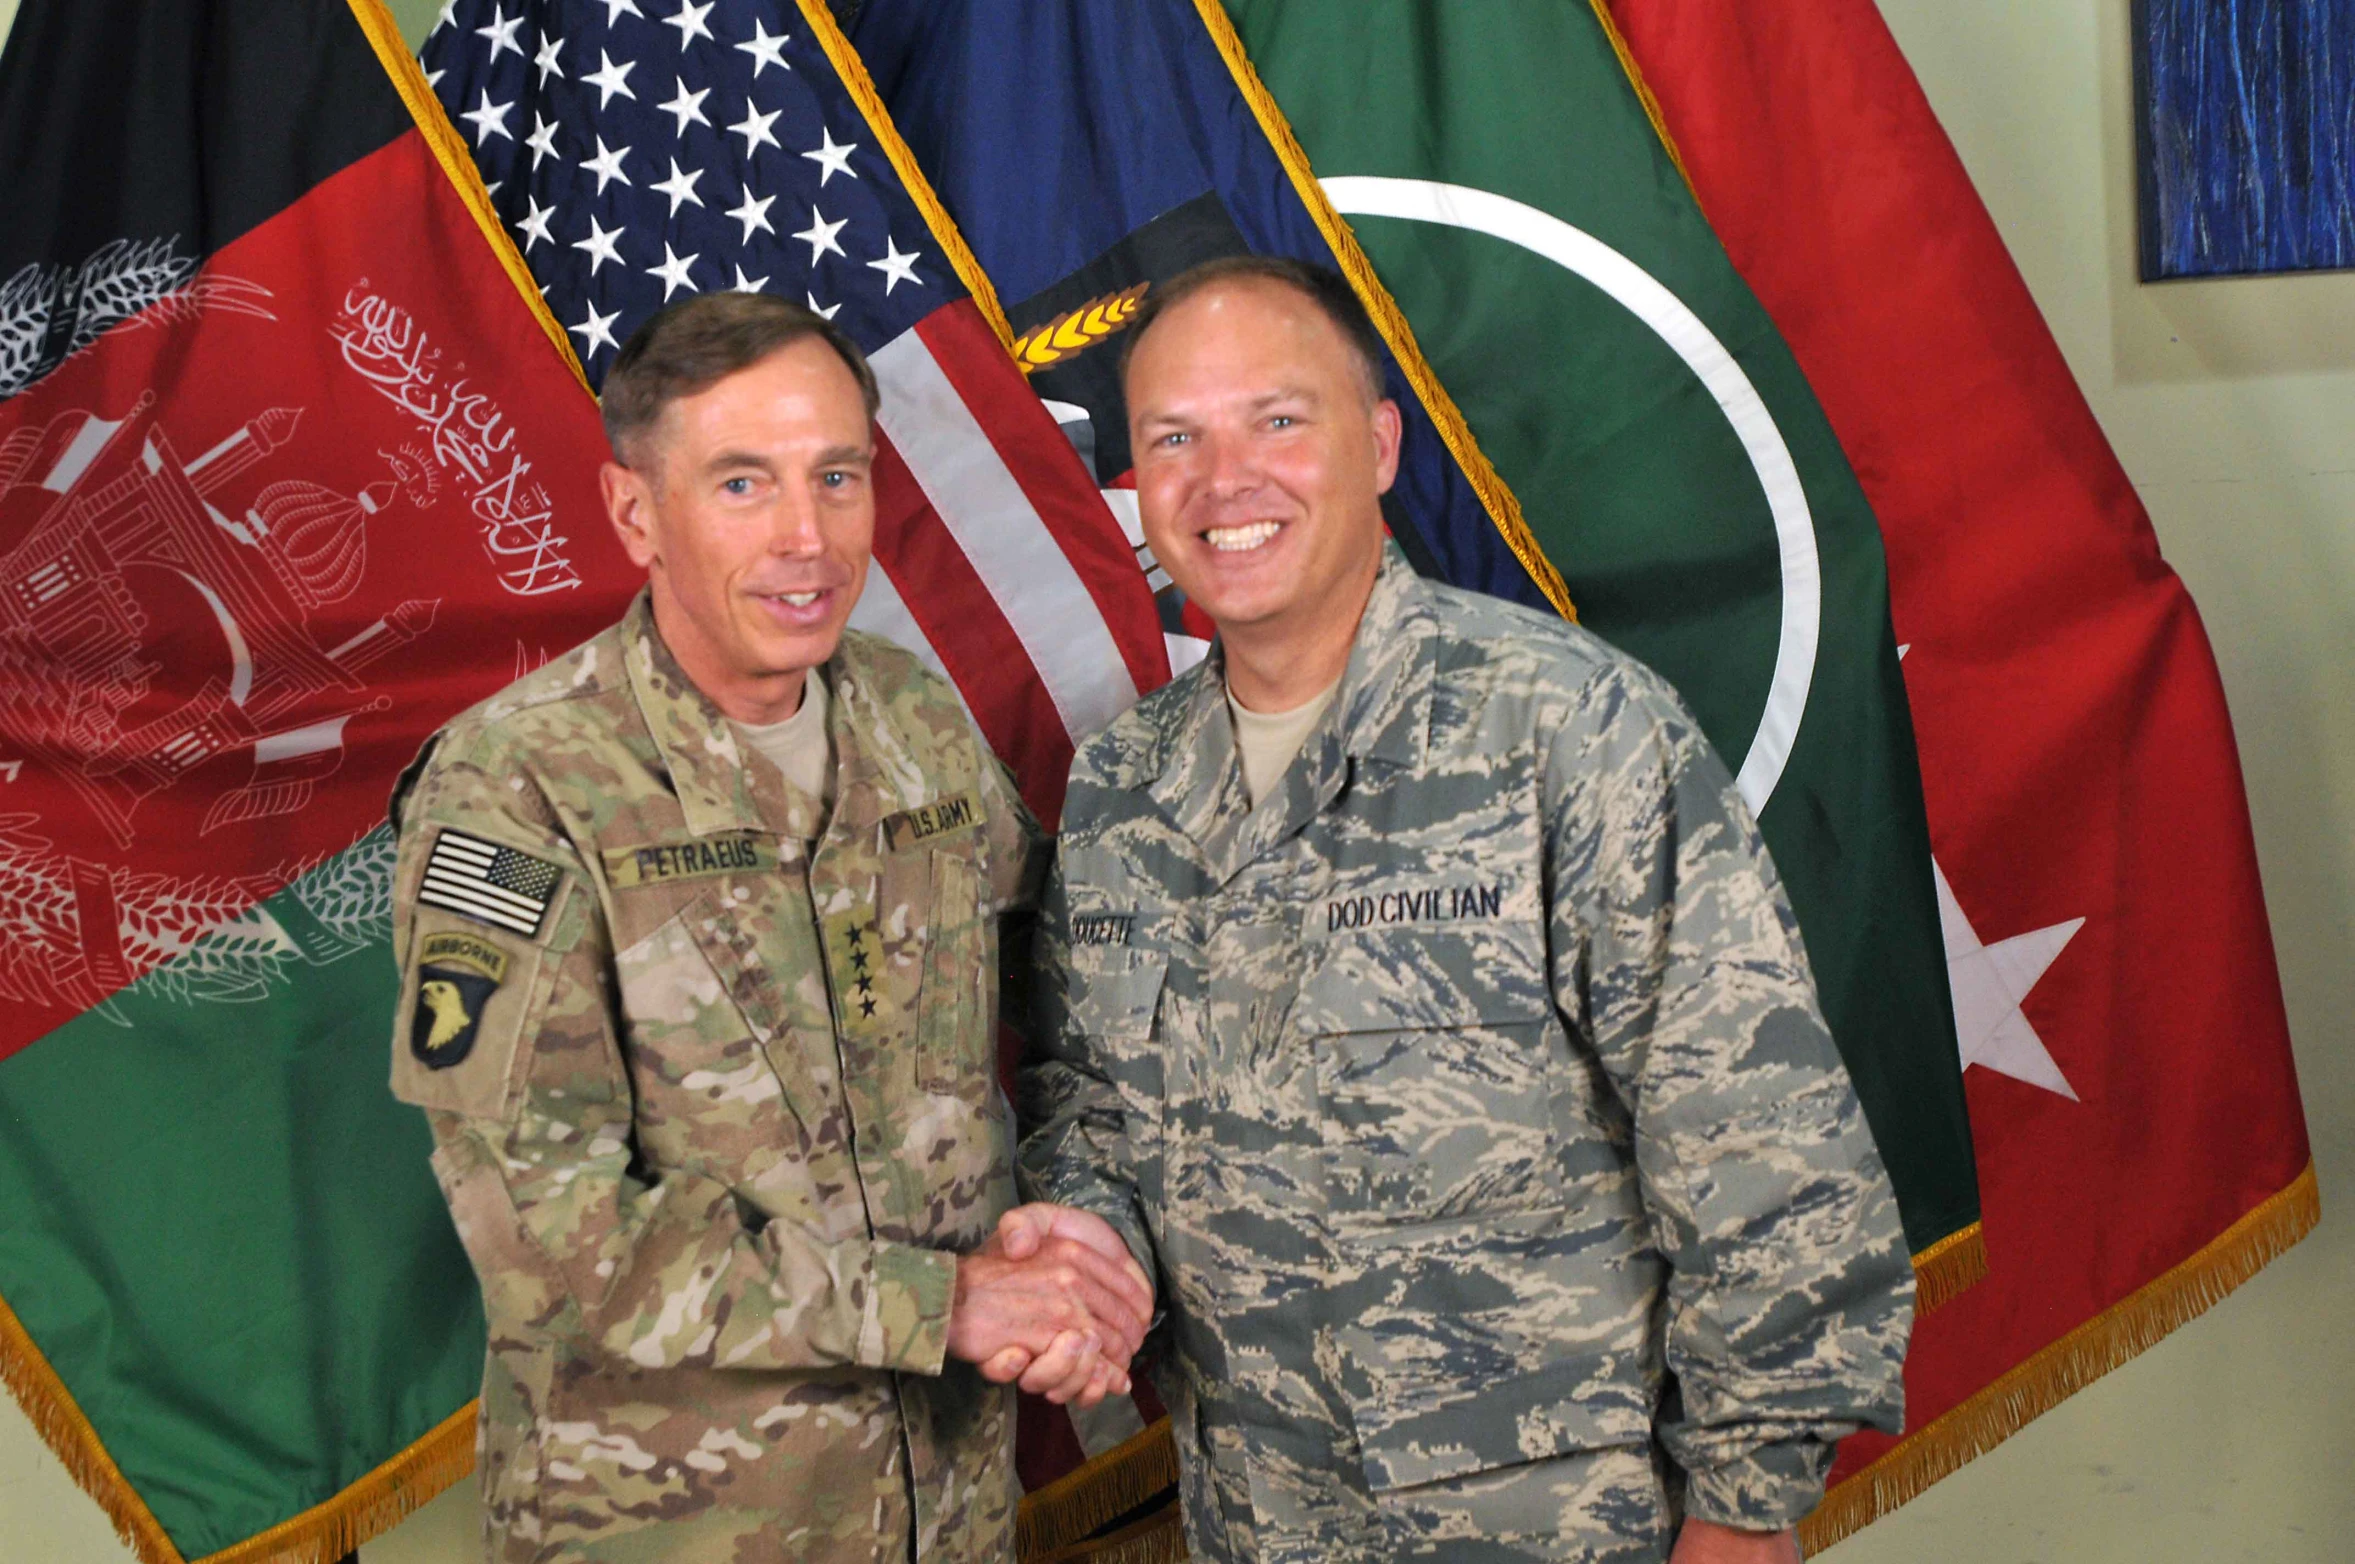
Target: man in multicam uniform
[[701, 1006], [1423, 1007]]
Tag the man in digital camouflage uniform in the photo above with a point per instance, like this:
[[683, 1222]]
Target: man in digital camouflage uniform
[[699, 934], [1426, 1012]]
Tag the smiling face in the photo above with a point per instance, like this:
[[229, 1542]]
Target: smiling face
[[751, 507], [1261, 460]]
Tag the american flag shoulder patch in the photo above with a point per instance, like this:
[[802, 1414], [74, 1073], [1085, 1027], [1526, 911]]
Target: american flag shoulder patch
[[489, 883]]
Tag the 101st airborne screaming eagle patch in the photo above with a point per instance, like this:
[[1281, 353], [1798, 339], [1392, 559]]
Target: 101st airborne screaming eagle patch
[[456, 975]]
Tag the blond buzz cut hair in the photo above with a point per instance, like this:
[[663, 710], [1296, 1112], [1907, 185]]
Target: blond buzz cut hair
[[1327, 289]]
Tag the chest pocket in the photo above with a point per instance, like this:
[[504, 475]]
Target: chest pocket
[[1433, 1051]]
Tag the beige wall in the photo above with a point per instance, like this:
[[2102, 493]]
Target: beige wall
[[2233, 406]]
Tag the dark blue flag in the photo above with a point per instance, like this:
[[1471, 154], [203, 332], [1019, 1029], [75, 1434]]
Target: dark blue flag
[[1084, 149]]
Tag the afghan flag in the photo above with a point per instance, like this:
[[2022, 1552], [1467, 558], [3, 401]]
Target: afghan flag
[[292, 469], [2141, 1146]]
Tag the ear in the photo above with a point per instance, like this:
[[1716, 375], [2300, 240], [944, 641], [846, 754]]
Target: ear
[[1389, 429], [629, 505]]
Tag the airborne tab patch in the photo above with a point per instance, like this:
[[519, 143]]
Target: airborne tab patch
[[489, 883], [457, 973], [737, 852], [456, 947], [953, 813]]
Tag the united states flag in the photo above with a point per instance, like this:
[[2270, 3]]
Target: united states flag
[[640, 151]]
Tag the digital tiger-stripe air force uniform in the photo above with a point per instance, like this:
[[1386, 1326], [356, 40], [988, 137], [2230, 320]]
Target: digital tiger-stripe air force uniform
[[1470, 1100], [712, 1084]]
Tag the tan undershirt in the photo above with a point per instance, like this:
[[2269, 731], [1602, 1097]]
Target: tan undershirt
[[799, 746], [1268, 740]]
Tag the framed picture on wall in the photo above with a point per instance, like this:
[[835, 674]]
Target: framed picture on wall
[[2245, 136]]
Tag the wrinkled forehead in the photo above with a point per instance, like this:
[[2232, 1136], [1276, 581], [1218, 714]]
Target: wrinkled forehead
[[801, 398]]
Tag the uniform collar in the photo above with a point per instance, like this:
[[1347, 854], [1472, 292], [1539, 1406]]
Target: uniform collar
[[719, 785], [1383, 709], [878, 771], [1381, 714]]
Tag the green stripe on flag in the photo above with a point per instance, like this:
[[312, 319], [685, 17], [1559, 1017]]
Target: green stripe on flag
[[223, 1231], [1503, 177]]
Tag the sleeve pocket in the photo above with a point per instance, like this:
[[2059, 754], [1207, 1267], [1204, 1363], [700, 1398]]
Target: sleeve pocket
[[521, 1286]]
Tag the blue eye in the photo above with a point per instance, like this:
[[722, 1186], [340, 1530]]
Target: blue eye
[[1281, 421], [834, 480], [738, 486]]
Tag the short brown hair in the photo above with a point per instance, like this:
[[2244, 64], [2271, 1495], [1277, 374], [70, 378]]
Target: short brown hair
[[1328, 290], [693, 345]]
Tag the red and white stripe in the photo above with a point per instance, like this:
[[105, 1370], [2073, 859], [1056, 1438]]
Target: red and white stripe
[[996, 559]]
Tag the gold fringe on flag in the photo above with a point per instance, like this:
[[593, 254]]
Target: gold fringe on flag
[[61, 1425], [2040, 1383], [1389, 319], [367, 1508], [1096, 1493], [1948, 1268], [853, 72], [387, 1495], [449, 150], [1160, 1538]]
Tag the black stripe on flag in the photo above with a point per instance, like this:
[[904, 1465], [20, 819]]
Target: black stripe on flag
[[187, 124], [489, 883]]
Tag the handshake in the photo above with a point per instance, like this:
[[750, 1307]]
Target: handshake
[[1054, 1301]]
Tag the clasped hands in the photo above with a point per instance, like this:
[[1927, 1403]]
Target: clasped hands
[[1054, 1301]]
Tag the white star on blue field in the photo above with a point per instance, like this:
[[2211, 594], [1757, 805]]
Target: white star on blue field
[[641, 152]]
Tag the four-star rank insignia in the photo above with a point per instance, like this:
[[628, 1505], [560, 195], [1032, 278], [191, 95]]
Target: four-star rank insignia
[[855, 961], [457, 973]]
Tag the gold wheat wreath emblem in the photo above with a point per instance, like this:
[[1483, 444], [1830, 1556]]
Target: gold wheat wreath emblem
[[1077, 330]]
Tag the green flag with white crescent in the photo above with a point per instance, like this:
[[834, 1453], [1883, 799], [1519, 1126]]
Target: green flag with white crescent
[[1502, 174]]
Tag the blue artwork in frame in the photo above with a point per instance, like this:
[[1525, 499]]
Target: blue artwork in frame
[[2245, 135]]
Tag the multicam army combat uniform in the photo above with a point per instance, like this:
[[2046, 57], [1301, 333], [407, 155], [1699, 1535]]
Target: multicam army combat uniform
[[1471, 1100], [713, 1098]]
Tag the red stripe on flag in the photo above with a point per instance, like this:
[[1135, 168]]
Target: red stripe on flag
[[1057, 483], [970, 635]]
